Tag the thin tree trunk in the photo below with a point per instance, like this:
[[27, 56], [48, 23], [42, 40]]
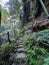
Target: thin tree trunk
[[8, 37]]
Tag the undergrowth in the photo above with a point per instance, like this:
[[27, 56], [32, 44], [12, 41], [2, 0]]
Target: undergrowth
[[36, 55]]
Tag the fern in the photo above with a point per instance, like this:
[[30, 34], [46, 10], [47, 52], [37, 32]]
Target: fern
[[36, 55]]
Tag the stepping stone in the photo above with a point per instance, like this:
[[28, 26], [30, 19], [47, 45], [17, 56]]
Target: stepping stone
[[20, 50], [16, 63], [16, 47], [20, 46], [15, 50], [20, 41], [28, 31], [20, 55], [21, 38]]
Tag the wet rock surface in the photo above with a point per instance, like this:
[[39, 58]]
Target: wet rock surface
[[19, 56]]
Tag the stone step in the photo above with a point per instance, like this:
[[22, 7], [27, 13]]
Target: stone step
[[20, 41], [20, 50], [19, 63], [20, 55], [20, 46], [21, 38], [16, 63]]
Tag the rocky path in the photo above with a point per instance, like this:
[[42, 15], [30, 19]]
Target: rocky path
[[20, 53], [20, 49]]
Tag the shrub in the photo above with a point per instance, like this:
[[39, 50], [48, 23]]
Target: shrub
[[35, 54], [5, 50]]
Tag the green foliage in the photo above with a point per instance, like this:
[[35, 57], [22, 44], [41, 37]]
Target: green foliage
[[5, 14], [21, 30], [43, 36], [46, 61], [14, 7], [5, 50], [37, 38], [27, 40], [35, 54]]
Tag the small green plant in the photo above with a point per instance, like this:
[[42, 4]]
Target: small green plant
[[46, 61], [36, 56], [36, 38], [5, 50]]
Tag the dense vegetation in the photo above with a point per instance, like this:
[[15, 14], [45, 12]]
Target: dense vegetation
[[19, 43], [5, 14], [35, 45]]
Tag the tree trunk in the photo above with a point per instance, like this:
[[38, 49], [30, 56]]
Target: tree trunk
[[8, 37], [38, 8], [26, 9]]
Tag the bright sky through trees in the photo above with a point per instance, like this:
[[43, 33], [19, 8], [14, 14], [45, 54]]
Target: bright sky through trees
[[2, 2]]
